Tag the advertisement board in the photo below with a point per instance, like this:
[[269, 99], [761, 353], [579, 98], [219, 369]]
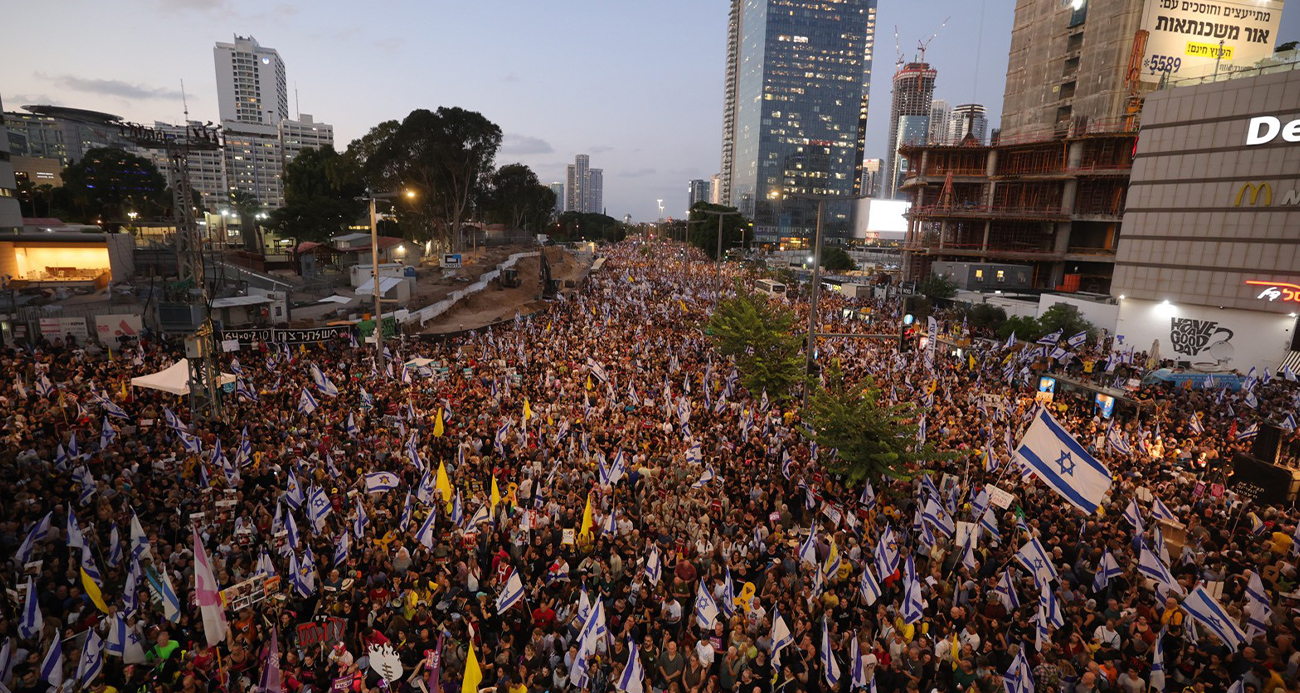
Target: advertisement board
[[60, 328], [109, 328], [451, 260], [1193, 38]]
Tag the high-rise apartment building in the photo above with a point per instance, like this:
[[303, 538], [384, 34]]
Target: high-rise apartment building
[[207, 167], [715, 189], [913, 95], [584, 187], [62, 134], [254, 160], [251, 83], [940, 121], [798, 75], [967, 119], [697, 191], [1065, 64], [558, 188]]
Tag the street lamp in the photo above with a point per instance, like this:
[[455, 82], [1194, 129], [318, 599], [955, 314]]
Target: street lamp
[[817, 271], [374, 269], [717, 289]]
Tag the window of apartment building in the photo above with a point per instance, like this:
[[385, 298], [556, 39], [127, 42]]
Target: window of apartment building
[[1002, 275], [979, 275]]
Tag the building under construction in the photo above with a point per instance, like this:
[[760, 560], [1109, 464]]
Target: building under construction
[[1052, 203], [909, 119]]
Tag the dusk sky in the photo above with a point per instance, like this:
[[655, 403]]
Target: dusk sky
[[637, 84]]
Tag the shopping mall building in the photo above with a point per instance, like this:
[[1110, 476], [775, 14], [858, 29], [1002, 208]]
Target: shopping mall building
[[1208, 259]]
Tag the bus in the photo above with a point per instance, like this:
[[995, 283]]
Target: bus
[[770, 287]]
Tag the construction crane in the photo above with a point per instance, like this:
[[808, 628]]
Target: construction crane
[[898, 51], [1133, 77], [923, 45]]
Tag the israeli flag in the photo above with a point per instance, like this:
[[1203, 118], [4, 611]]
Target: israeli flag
[[887, 553], [1063, 464], [107, 434], [361, 521], [1051, 339], [44, 387], [318, 509], [1077, 339], [291, 527], [780, 635], [342, 548], [868, 498], [35, 536], [306, 403], [1157, 677], [913, 607], [189, 443], [1209, 613], [111, 408], [632, 680], [1006, 592], [377, 482], [511, 594], [830, 667], [352, 429], [243, 390], [1160, 511], [939, 519], [52, 665], [457, 513], [114, 548], [653, 566], [1019, 677], [1036, 560], [1250, 432], [1133, 514], [694, 455], [293, 492], [426, 535], [171, 603], [868, 586], [989, 523], [323, 383], [705, 478], [706, 610], [1288, 424], [1152, 567], [32, 622], [1106, 571]]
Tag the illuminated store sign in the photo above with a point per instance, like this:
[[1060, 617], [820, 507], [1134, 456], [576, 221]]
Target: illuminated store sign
[[1274, 291], [1265, 129]]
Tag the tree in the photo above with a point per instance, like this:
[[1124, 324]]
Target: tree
[[445, 155], [246, 208], [873, 439], [759, 334], [1023, 327], [590, 226], [937, 286], [1068, 320], [703, 233], [837, 260], [321, 194], [108, 183], [986, 316], [515, 197]]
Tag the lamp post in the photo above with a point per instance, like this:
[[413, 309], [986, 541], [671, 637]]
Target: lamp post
[[817, 272], [374, 270], [717, 289]]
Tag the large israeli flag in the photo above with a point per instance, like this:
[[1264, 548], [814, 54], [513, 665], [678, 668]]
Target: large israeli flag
[[1202, 607], [1062, 463]]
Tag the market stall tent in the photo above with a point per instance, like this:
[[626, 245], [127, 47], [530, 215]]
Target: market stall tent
[[175, 379]]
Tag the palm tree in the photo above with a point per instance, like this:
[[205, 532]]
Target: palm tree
[[246, 208]]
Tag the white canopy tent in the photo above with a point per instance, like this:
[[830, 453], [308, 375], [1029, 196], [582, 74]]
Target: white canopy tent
[[175, 379]]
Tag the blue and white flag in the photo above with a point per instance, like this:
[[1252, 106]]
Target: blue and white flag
[[351, 427], [52, 664], [1248, 433], [694, 455], [243, 390], [32, 622], [830, 668], [1037, 561], [632, 679], [318, 508], [35, 536], [1077, 339], [857, 672], [426, 534], [938, 518], [1156, 679], [511, 593], [112, 409], [1006, 592], [1288, 424], [323, 383], [1051, 339], [868, 498], [377, 482], [1133, 515], [1160, 511], [361, 521], [887, 553], [913, 607], [293, 494], [171, 603], [114, 548], [1019, 677], [306, 403], [1107, 570], [107, 434], [1150, 565], [780, 635], [1209, 613], [705, 478], [1063, 464], [291, 527], [868, 586], [342, 548], [706, 610], [653, 566]]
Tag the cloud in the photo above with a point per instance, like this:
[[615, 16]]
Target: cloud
[[637, 173], [510, 78], [600, 149], [168, 6], [524, 145], [112, 87]]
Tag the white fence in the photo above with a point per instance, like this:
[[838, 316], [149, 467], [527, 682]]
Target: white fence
[[430, 312]]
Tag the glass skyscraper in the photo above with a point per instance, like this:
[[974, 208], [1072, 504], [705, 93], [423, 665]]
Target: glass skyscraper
[[798, 76]]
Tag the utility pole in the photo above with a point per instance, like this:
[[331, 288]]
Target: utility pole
[[374, 272]]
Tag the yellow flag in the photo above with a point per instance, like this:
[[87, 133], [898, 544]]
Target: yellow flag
[[496, 492], [125, 395], [528, 411], [92, 591], [587, 521], [831, 558], [437, 425], [682, 303], [473, 674], [588, 382], [972, 362], [442, 483]]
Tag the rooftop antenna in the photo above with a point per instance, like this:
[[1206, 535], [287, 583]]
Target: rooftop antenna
[[923, 45], [297, 105]]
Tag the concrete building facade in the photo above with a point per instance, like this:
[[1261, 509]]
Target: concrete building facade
[[697, 191], [940, 122], [11, 216], [1208, 263], [584, 187], [303, 132], [968, 119]]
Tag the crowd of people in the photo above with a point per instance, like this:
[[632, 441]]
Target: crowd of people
[[588, 499]]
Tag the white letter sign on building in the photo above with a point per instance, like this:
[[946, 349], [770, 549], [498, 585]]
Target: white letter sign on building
[[1265, 129]]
